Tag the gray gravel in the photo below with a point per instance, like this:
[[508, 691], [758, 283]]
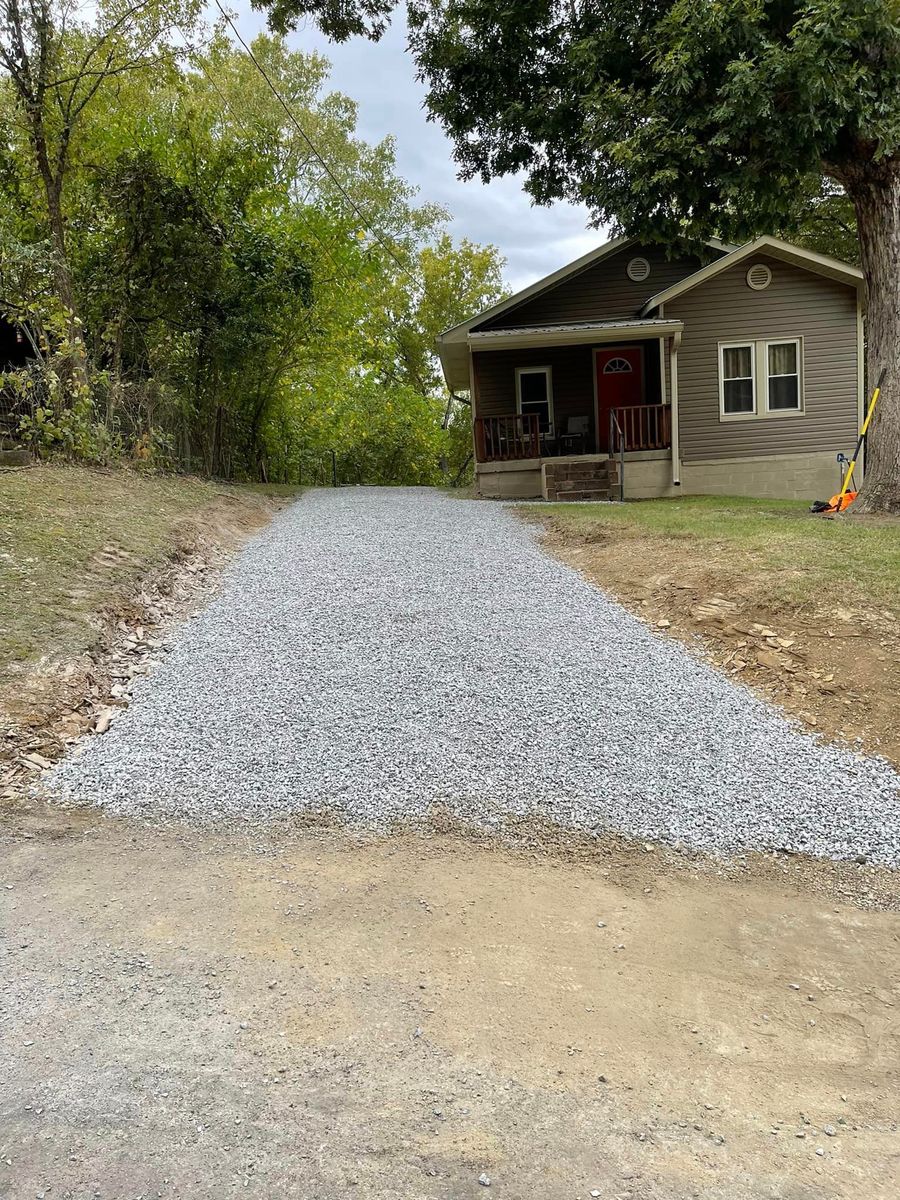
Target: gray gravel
[[381, 651]]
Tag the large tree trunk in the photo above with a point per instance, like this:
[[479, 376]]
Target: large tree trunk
[[876, 198]]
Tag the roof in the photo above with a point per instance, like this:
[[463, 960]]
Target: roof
[[453, 344], [567, 327], [459, 331], [533, 289], [571, 333], [820, 264]]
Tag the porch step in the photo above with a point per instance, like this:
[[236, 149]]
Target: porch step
[[588, 494], [568, 480]]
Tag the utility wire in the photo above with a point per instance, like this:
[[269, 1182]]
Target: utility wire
[[386, 246], [243, 125]]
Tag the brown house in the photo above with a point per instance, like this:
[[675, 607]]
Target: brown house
[[738, 372]]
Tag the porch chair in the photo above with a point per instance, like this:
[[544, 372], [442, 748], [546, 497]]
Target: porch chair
[[574, 439]]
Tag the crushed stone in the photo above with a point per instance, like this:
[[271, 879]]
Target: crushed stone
[[379, 652]]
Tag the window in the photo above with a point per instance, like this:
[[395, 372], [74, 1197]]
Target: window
[[738, 380], [618, 366], [778, 365], [783, 375], [534, 394]]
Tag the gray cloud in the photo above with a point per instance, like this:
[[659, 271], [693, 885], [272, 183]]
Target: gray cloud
[[381, 78]]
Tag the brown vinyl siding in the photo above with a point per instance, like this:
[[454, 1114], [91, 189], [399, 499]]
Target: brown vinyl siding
[[572, 380], [573, 384], [602, 292], [797, 303]]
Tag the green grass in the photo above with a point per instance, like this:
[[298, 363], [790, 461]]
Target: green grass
[[281, 491], [60, 532], [808, 559]]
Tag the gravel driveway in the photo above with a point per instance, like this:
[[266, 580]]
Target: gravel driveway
[[382, 651]]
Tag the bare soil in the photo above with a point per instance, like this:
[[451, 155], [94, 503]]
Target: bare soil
[[835, 667], [299, 1013]]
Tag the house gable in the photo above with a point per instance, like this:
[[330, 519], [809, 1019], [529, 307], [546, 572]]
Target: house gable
[[770, 247], [600, 291], [819, 311]]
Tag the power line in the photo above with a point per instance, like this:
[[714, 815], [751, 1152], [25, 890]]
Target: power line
[[323, 246], [331, 175]]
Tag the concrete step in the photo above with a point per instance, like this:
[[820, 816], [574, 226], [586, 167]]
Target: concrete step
[[587, 493]]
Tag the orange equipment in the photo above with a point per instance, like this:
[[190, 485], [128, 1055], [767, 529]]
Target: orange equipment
[[845, 496]]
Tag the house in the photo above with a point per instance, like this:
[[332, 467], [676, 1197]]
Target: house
[[633, 372]]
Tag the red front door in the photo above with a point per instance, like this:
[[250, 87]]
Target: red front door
[[620, 384]]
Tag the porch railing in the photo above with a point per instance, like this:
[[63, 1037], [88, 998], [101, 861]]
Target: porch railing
[[500, 439], [643, 426]]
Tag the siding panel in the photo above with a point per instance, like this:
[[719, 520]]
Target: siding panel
[[797, 303], [602, 292]]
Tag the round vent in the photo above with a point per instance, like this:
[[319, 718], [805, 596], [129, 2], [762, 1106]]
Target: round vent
[[638, 270], [759, 277]]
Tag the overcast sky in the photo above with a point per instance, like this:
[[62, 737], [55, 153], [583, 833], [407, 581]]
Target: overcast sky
[[381, 78]]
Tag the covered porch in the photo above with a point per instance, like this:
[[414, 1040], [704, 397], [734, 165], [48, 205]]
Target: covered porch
[[518, 436], [573, 397]]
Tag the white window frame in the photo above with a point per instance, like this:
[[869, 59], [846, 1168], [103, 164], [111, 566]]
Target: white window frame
[[760, 360], [548, 372], [785, 341], [740, 416]]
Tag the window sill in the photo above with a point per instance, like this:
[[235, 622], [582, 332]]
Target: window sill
[[776, 415]]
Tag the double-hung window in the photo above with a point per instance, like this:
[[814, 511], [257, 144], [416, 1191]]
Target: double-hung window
[[534, 394], [760, 378], [783, 376], [738, 375]]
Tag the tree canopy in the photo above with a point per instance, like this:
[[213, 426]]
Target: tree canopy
[[234, 313]]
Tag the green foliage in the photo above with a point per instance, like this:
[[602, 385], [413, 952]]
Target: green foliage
[[239, 317], [826, 221], [675, 120], [672, 119]]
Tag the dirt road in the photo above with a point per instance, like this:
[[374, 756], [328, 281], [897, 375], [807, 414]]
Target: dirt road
[[305, 1015]]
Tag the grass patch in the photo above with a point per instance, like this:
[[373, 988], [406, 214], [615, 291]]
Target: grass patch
[[808, 560], [280, 491], [72, 540]]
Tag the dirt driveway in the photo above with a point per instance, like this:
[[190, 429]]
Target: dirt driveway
[[308, 1015]]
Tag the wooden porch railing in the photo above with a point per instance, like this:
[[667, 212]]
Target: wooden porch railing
[[642, 426], [500, 439]]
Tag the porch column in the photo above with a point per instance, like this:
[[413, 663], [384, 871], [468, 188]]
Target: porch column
[[673, 384]]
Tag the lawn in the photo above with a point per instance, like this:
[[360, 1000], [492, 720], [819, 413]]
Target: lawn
[[72, 540], [805, 560]]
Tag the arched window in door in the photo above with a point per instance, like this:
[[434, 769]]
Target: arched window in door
[[617, 366]]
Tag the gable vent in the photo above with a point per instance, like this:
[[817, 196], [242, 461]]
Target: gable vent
[[638, 269], [759, 277]]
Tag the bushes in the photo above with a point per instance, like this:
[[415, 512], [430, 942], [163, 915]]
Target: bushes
[[239, 319]]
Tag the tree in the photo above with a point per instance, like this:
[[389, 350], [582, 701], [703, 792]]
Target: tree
[[825, 222], [240, 316], [56, 64], [679, 120]]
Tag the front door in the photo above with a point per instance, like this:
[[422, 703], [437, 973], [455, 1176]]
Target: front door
[[620, 384]]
